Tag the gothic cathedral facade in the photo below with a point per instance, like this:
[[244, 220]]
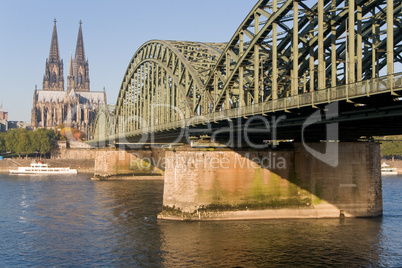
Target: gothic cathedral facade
[[75, 107]]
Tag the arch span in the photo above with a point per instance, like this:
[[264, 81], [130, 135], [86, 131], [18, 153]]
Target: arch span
[[282, 49], [164, 82], [104, 125], [286, 48]]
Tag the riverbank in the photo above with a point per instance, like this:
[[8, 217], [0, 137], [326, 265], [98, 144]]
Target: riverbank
[[129, 178]]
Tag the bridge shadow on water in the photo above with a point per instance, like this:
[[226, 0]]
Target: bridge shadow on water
[[142, 240]]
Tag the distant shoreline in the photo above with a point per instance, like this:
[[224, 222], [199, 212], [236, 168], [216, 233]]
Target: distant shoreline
[[128, 178]]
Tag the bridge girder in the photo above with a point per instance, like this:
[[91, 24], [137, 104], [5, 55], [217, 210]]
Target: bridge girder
[[164, 82], [259, 64], [281, 49], [105, 124]]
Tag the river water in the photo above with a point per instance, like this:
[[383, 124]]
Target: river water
[[72, 221]]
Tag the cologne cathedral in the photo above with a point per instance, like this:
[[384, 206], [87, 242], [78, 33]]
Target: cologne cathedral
[[75, 107]]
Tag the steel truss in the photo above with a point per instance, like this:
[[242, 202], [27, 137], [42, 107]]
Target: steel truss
[[104, 123], [281, 49]]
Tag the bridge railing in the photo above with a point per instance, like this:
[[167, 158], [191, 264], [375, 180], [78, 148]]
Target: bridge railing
[[345, 92]]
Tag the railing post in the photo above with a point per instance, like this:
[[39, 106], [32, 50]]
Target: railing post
[[368, 88], [328, 95], [298, 100], [391, 84], [284, 104], [312, 98]]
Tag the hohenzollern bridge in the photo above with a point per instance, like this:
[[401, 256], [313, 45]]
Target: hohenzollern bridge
[[321, 79]]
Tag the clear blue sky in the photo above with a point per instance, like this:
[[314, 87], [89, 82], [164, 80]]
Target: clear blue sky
[[112, 30]]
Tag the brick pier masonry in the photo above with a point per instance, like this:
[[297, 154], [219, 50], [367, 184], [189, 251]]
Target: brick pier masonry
[[141, 164], [236, 184], [226, 184]]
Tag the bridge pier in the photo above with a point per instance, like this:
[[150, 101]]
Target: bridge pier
[[115, 164], [226, 184]]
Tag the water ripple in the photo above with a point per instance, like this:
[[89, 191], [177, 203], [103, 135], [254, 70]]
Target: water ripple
[[75, 222]]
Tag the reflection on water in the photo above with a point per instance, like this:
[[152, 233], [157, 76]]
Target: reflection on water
[[73, 221], [294, 242]]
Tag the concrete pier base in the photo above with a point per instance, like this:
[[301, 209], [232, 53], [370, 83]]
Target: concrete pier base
[[226, 184], [114, 164]]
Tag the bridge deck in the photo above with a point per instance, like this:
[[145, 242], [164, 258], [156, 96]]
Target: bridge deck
[[363, 96]]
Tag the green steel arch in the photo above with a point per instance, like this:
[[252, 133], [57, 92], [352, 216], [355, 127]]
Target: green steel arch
[[164, 82], [285, 48], [104, 125], [282, 50]]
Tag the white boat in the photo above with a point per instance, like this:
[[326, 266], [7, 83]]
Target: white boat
[[388, 170], [40, 168]]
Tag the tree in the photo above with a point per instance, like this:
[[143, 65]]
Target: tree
[[391, 146], [34, 141], [23, 141], [10, 140], [3, 142], [69, 133], [17, 140], [44, 139]]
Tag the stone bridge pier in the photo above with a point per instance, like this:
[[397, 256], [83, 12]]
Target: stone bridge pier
[[234, 184], [116, 164]]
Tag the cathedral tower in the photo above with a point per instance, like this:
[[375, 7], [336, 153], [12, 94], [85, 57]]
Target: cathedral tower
[[75, 107], [53, 78], [78, 75]]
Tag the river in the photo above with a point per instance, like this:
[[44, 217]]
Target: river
[[72, 221]]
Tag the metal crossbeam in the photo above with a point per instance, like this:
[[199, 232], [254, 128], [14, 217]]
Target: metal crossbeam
[[282, 50]]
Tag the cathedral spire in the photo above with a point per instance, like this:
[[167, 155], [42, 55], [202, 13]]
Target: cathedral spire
[[54, 55], [53, 78], [79, 50], [80, 65], [70, 76], [70, 70]]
